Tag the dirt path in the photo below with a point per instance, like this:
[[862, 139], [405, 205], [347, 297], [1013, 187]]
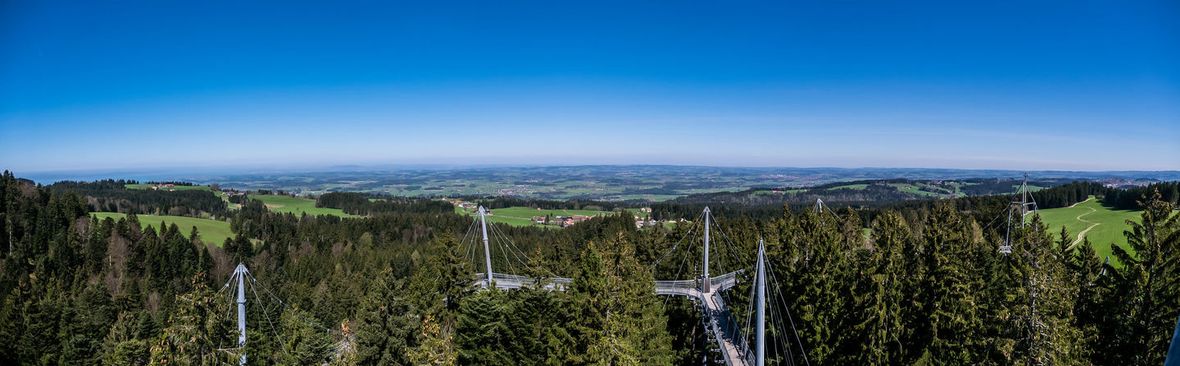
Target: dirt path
[[1082, 235], [1078, 203]]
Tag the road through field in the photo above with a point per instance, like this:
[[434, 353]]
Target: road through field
[[1082, 234]]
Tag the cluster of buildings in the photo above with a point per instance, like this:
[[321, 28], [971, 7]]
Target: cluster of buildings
[[469, 206], [166, 186], [563, 221], [1125, 183], [641, 223], [643, 217]]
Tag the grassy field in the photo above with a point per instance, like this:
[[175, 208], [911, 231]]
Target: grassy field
[[177, 188], [523, 216], [225, 197], [931, 190], [1091, 220], [855, 187], [211, 231], [296, 205], [771, 192]]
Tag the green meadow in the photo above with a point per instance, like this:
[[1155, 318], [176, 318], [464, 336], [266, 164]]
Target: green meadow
[[1090, 219], [296, 205], [855, 187], [175, 188], [211, 231], [523, 216]]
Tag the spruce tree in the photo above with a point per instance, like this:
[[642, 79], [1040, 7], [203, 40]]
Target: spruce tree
[[482, 335], [304, 340], [193, 331], [879, 321], [947, 334], [386, 326], [1150, 282]]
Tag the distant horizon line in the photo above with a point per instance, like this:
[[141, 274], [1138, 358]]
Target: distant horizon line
[[328, 168]]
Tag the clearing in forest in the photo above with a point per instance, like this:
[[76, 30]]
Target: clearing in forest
[[212, 232], [1090, 219], [296, 205], [523, 216]]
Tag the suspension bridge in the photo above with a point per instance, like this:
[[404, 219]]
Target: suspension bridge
[[705, 290]]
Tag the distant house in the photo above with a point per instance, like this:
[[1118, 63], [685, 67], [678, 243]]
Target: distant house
[[640, 223], [571, 220]]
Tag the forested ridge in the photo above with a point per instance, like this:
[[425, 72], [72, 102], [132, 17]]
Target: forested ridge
[[112, 195], [395, 288], [365, 204]]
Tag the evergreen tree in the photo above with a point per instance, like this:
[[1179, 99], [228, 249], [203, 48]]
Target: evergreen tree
[[304, 340], [617, 318], [481, 333], [437, 346], [1150, 280], [819, 276], [1090, 314], [950, 290], [878, 332], [193, 331], [84, 324], [387, 327], [124, 345]]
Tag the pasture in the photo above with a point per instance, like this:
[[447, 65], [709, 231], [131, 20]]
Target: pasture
[[212, 232], [523, 216], [143, 186], [296, 205], [854, 187], [1090, 219]]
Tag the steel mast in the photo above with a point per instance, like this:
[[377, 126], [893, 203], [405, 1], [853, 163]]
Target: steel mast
[[706, 283], [1024, 205], [240, 274], [760, 312], [487, 254]]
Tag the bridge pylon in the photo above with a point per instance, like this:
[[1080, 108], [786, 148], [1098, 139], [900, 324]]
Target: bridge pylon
[[706, 282], [487, 253], [1025, 204], [238, 279], [760, 307]]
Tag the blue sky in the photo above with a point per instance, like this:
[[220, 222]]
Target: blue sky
[[1077, 85]]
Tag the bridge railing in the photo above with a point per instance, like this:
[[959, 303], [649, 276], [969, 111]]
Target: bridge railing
[[731, 329], [511, 281]]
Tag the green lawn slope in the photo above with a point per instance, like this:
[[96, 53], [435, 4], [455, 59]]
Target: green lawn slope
[[296, 205], [1090, 219], [212, 232]]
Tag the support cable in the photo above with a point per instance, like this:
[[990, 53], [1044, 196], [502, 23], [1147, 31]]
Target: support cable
[[691, 229], [679, 269], [266, 314], [787, 309], [516, 251]]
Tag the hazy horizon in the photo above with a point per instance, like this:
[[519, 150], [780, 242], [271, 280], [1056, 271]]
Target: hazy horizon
[[1014, 86], [213, 174]]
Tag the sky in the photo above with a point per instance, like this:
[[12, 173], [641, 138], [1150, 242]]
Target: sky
[[1045, 85]]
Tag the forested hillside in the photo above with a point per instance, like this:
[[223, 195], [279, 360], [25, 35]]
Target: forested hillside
[[113, 196], [396, 288]]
